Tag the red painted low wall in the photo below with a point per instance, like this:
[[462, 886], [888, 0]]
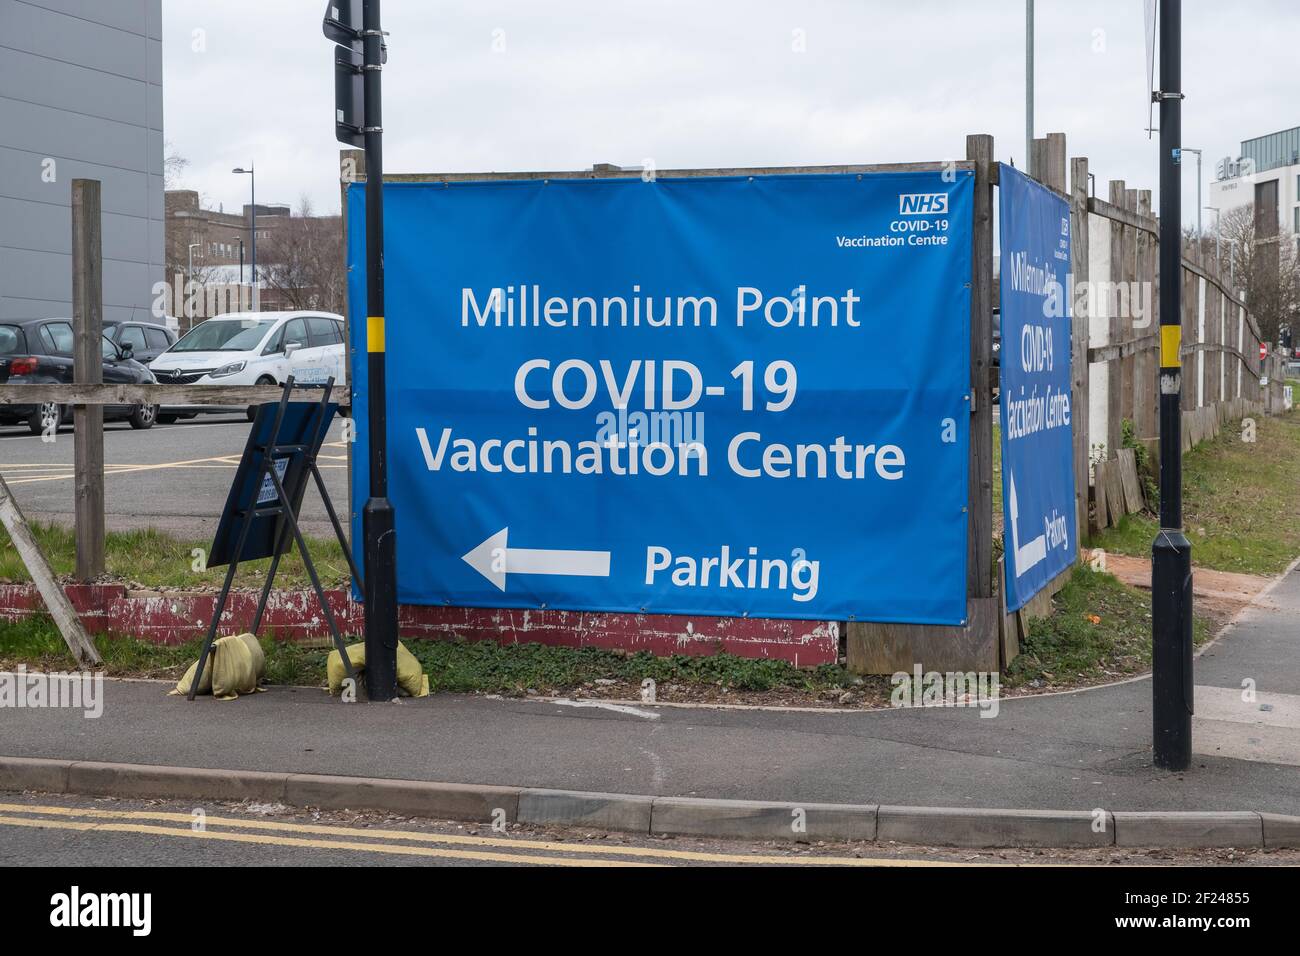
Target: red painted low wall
[[171, 618]]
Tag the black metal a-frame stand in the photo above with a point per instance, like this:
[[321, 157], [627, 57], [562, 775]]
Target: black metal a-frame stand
[[300, 457]]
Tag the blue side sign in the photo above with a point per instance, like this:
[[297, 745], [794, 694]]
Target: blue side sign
[[740, 396], [1040, 528]]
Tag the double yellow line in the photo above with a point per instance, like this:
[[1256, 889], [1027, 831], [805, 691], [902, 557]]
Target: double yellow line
[[399, 843]]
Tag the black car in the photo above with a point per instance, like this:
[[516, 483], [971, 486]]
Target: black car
[[147, 339], [39, 351]]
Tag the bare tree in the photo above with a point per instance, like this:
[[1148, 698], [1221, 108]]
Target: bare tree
[[1266, 269], [303, 260], [174, 165]]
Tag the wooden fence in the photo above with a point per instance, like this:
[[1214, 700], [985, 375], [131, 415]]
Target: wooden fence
[[1114, 293], [1222, 370]]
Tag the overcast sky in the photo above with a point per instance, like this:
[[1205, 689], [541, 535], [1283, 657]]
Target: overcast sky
[[478, 85]]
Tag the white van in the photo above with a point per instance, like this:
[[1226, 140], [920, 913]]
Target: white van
[[252, 348]]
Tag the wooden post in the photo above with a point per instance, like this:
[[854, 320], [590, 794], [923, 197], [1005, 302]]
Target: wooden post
[[1079, 322], [1054, 161], [979, 148], [88, 369], [1128, 368], [1146, 396], [60, 608], [1038, 160], [875, 648], [1118, 336]]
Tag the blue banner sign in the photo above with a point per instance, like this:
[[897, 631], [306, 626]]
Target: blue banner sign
[[742, 396], [1040, 528]]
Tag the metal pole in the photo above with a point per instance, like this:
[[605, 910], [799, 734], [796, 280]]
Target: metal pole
[[241, 272], [1171, 552], [1200, 233], [1029, 85], [252, 185], [378, 521], [1218, 237], [189, 285]]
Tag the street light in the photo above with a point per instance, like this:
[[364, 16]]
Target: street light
[[1218, 235], [252, 185], [189, 283], [240, 240], [1188, 149], [1029, 87]]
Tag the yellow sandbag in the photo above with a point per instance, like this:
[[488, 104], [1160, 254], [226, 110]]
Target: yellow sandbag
[[411, 678], [334, 672], [234, 666], [236, 671], [259, 655], [205, 685]]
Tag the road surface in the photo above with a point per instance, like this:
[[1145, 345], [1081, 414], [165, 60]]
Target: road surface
[[171, 477]]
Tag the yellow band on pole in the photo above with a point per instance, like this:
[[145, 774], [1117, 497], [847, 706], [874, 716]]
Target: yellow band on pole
[[375, 333], [1171, 344]]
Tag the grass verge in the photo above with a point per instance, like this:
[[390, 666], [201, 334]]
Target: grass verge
[[152, 559], [1241, 502], [454, 666], [1100, 630]]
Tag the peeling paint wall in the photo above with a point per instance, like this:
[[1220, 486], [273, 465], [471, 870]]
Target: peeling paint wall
[[172, 618]]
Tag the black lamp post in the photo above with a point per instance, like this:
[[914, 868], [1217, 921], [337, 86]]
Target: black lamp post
[[252, 183]]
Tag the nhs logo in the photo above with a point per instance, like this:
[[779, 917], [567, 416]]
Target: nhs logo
[[922, 204]]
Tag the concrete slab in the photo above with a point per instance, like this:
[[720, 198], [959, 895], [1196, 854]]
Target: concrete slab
[[755, 820], [945, 826], [140, 780], [416, 797], [1280, 830], [1264, 729], [1265, 709], [607, 811], [1192, 829], [34, 773]]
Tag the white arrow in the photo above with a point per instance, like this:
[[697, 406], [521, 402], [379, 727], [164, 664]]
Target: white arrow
[[1035, 550], [494, 560]]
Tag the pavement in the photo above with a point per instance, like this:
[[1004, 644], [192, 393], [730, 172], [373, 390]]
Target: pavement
[[1078, 751], [174, 478]]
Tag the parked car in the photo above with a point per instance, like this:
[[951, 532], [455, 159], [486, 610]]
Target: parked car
[[995, 383], [39, 351], [252, 348], [147, 339]]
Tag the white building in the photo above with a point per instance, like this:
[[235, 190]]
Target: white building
[[1267, 173]]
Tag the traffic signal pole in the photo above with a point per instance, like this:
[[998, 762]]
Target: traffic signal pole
[[1171, 552], [358, 104], [378, 521]]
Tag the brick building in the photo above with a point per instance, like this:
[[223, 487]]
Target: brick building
[[299, 258]]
